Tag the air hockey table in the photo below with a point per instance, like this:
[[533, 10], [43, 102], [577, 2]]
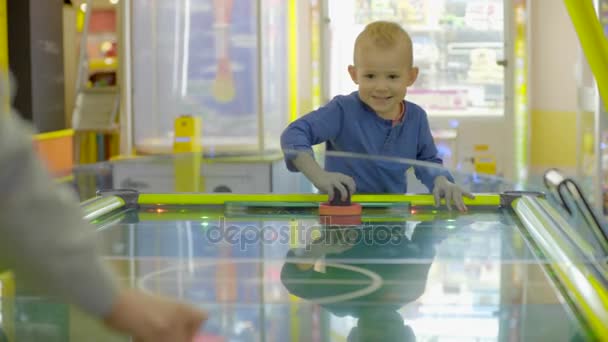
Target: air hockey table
[[267, 267]]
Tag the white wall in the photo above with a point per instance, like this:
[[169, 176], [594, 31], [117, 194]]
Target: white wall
[[554, 57]]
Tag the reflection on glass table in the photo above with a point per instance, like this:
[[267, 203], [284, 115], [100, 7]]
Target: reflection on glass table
[[268, 267], [406, 270]]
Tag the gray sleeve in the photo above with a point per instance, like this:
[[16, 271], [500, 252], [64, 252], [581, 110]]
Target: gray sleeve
[[43, 237]]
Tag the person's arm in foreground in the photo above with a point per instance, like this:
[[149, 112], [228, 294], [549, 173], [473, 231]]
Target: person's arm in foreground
[[44, 240]]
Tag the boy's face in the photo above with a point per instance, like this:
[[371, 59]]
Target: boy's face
[[383, 76]]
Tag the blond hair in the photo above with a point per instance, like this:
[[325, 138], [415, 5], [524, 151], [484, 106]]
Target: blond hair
[[383, 35]]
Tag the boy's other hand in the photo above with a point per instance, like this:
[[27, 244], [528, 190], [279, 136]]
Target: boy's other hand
[[328, 180], [451, 192]]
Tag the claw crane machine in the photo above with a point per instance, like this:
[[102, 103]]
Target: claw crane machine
[[222, 62], [216, 59], [591, 24], [473, 73]]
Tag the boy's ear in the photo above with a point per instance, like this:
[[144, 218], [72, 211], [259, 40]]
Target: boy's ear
[[352, 71], [413, 76]]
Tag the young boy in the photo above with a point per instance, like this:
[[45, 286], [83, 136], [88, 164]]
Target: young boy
[[375, 120]]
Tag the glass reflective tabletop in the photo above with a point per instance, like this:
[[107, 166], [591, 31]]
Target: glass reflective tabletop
[[431, 275], [267, 267]]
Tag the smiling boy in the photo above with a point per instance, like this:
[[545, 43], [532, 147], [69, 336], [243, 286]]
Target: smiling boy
[[376, 120]]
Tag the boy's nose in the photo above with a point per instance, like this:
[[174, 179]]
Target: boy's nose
[[381, 87]]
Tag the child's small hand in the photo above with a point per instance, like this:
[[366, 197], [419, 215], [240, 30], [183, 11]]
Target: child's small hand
[[330, 180], [451, 192]]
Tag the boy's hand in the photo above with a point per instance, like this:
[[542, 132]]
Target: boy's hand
[[451, 192], [326, 182], [323, 180]]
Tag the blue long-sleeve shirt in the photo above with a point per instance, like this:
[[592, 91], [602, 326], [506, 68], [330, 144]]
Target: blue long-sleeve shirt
[[347, 124]]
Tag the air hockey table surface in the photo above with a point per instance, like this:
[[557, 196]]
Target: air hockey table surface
[[267, 268]]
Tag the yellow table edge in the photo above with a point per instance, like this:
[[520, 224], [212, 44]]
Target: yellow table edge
[[590, 297], [54, 135], [151, 216], [220, 199], [8, 288], [7, 294], [587, 304], [96, 207]]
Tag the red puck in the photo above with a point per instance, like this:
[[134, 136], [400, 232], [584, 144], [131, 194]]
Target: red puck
[[325, 209]]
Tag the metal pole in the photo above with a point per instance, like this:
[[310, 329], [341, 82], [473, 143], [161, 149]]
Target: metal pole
[[125, 77], [83, 58], [260, 83]]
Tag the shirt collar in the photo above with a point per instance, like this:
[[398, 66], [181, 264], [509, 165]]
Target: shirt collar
[[399, 119]]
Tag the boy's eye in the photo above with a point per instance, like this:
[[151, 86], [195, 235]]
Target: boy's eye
[[392, 77], [369, 75]]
